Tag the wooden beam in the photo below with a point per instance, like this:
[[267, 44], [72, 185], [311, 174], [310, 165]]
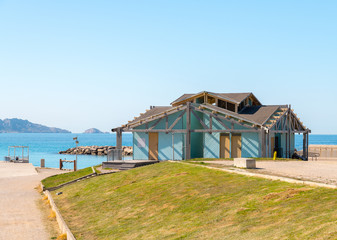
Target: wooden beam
[[177, 120], [199, 119], [157, 116], [155, 124], [220, 121], [225, 118], [227, 113], [225, 130], [156, 130], [166, 122]]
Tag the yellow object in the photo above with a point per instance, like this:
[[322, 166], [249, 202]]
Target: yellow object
[[275, 154], [62, 237], [52, 214]]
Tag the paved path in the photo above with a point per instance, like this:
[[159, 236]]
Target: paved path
[[20, 217], [317, 171]]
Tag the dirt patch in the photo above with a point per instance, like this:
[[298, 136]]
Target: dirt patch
[[289, 193], [181, 174]]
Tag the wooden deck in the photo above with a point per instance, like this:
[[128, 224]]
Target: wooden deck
[[125, 165]]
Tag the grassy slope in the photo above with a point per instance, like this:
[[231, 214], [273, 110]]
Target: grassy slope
[[232, 159], [56, 180], [175, 201]]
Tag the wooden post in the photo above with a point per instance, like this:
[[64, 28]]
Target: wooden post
[[268, 144], [286, 135], [119, 143], [230, 145], [61, 164], [75, 165], [188, 131], [263, 143], [289, 132], [305, 146]]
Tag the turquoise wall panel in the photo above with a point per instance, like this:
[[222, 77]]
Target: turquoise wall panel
[[292, 143], [140, 146], [211, 145], [179, 143], [171, 119], [165, 147], [250, 141], [250, 145]]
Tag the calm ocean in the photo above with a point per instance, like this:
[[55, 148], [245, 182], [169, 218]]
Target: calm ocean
[[47, 145]]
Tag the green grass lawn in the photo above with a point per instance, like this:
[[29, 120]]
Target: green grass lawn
[[185, 201], [56, 180]]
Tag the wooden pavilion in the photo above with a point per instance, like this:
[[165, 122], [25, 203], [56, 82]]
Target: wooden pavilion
[[215, 125]]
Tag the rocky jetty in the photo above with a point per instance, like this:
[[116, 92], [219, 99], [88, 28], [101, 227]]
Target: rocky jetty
[[96, 150]]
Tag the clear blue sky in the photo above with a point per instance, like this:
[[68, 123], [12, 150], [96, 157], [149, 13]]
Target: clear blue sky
[[80, 64]]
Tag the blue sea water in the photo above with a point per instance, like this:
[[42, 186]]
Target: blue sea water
[[47, 145]]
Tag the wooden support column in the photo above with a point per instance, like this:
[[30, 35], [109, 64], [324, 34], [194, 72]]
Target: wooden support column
[[230, 145], [263, 143], [286, 154], [188, 132], [290, 129], [119, 143], [268, 144], [305, 146]]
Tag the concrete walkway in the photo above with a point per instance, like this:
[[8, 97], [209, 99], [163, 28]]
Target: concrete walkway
[[323, 171], [20, 217]]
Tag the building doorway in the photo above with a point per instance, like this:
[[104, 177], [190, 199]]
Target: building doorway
[[224, 145], [236, 146], [153, 146]]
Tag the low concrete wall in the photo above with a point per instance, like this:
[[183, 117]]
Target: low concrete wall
[[62, 224], [328, 152]]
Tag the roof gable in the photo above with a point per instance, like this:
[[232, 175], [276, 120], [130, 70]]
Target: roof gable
[[235, 98]]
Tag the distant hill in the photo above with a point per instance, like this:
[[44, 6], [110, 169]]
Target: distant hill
[[92, 130], [16, 125]]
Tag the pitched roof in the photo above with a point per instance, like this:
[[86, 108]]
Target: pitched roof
[[236, 97], [183, 97], [233, 97], [154, 111], [254, 114], [259, 114]]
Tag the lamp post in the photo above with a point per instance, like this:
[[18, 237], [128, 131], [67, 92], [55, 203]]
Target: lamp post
[[76, 141]]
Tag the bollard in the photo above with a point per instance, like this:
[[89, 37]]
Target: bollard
[[42, 163]]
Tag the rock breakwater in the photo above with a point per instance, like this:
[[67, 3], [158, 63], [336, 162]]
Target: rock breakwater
[[96, 150]]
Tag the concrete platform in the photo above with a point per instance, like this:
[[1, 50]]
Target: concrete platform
[[9, 169], [125, 165]]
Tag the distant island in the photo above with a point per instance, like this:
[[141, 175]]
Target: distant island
[[15, 125], [93, 130]]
